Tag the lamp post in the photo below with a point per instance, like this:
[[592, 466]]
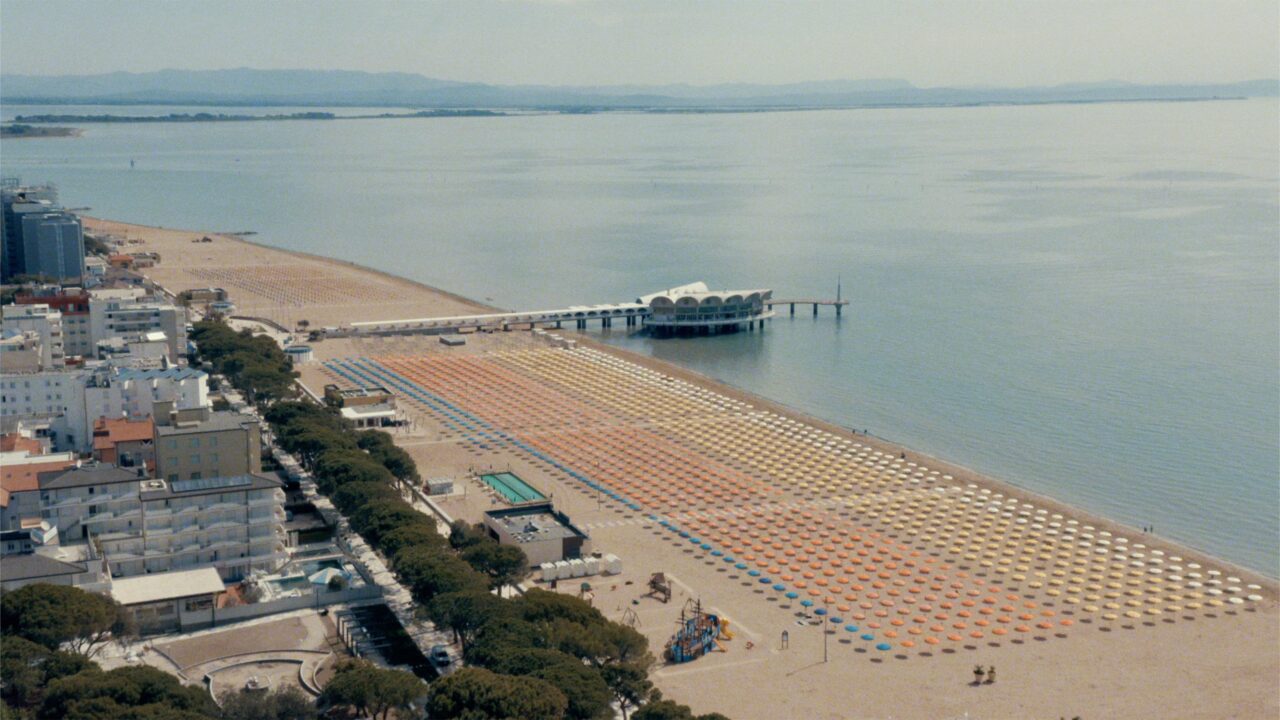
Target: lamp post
[[825, 620]]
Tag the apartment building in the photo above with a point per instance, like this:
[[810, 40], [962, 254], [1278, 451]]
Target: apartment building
[[45, 322], [73, 303], [142, 525], [202, 444], [72, 400], [130, 312]]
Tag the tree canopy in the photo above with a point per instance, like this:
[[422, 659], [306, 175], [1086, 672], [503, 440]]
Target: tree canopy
[[54, 615], [479, 694], [126, 692], [372, 691]]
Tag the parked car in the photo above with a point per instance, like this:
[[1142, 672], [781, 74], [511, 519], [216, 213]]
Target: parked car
[[440, 655]]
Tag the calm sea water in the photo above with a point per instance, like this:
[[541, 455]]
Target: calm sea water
[[1083, 300]]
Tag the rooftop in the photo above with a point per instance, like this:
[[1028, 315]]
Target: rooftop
[[217, 421], [163, 490], [109, 431], [34, 566], [85, 475], [166, 586], [534, 523], [700, 292], [356, 412], [172, 373]]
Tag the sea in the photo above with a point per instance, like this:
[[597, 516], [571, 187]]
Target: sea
[[1081, 299]]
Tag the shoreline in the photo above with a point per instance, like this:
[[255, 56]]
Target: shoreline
[[1270, 584]]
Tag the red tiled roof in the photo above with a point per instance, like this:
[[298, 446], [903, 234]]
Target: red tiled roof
[[109, 432]]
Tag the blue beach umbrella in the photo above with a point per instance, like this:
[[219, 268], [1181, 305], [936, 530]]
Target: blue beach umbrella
[[868, 636], [741, 566], [806, 603], [753, 573], [883, 646], [851, 628], [765, 581], [836, 620], [716, 553], [820, 611], [792, 595], [779, 588]]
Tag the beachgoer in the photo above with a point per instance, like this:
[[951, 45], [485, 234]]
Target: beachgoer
[[991, 674], [786, 639]]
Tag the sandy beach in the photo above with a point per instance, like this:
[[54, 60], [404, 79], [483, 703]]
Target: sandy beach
[[1102, 620]]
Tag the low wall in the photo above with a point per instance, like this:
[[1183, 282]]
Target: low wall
[[283, 605]]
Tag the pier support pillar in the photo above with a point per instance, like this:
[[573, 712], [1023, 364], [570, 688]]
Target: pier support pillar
[[557, 324], [838, 310], [793, 309], [815, 309]]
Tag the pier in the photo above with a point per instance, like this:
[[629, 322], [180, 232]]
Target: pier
[[686, 310], [837, 304]]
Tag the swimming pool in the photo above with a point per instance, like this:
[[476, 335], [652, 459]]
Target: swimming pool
[[512, 487], [296, 576]]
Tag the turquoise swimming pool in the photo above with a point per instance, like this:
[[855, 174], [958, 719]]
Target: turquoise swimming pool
[[511, 487]]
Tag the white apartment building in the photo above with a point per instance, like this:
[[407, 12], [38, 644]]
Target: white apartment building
[[21, 351], [234, 524], [73, 399], [45, 322], [129, 312]]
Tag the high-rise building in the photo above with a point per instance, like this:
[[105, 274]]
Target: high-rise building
[[53, 246], [16, 201]]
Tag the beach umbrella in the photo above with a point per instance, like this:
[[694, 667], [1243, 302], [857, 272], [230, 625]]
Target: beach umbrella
[[836, 621], [806, 603], [741, 566], [779, 588], [793, 596], [883, 646], [820, 611], [868, 636], [851, 628]]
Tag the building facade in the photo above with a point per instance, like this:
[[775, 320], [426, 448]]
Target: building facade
[[131, 312], [44, 321], [142, 525], [203, 444], [53, 243]]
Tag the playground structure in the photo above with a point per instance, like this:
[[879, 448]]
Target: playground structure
[[697, 634], [659, 588]]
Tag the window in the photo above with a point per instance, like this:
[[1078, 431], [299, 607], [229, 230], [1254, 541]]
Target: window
[[195, 475], [213, 441], [172, 477], [195, 459], [213, 458], [195, 442]]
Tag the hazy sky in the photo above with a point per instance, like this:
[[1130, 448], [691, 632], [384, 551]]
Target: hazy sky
[[573, 42]]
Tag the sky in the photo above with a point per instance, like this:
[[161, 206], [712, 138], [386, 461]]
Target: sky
[[602, 42]]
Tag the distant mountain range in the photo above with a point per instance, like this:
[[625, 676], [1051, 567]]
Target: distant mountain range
[[245, 86]]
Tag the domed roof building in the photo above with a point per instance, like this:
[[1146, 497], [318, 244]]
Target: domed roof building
[[695, 309]]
